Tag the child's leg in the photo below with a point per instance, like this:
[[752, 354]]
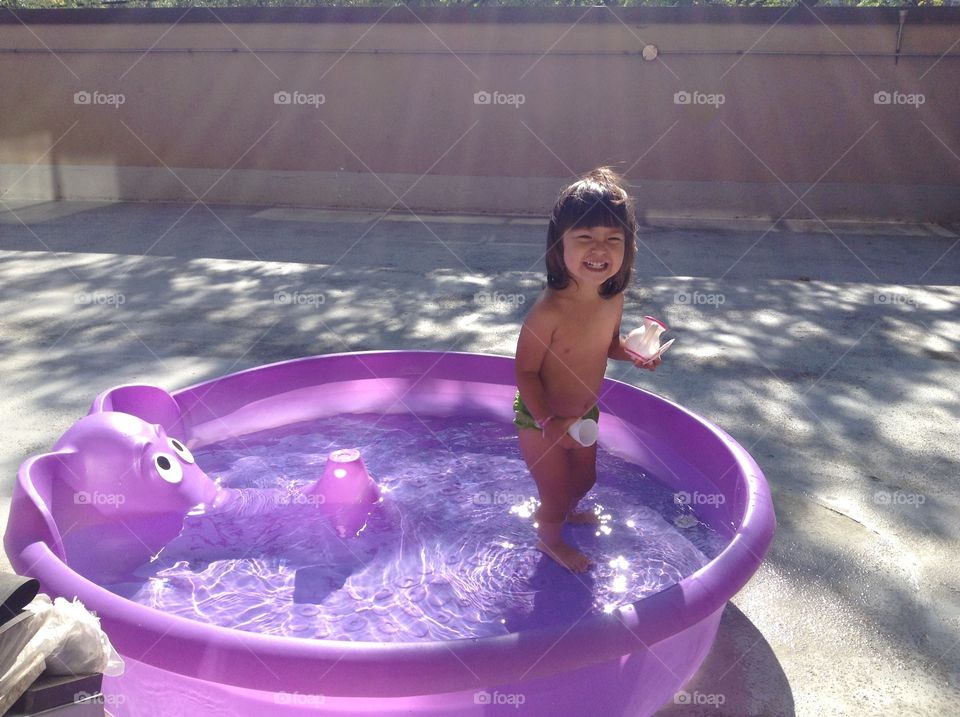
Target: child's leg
[[550, 467], [583, 469]]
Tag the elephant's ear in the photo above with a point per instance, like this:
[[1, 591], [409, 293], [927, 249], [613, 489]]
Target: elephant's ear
[[42, 483], [149, 403]]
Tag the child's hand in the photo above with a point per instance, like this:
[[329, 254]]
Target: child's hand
[[649, 364], [556, 429]]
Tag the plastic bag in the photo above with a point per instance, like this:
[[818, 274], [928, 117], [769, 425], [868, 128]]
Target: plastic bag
[[72, 640]]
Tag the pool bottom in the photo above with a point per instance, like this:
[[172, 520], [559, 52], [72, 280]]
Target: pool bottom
[[634, 685], [443, 558]]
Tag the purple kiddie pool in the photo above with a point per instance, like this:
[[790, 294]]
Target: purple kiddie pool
[[364, 612]]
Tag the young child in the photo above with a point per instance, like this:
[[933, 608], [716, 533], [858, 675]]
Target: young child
[[566, 339]]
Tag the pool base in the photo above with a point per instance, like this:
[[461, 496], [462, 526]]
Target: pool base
[[636, 685]]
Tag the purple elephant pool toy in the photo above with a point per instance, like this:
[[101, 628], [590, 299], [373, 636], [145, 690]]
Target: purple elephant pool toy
[[123, 486]]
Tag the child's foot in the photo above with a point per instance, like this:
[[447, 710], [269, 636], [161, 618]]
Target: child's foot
[[568, 556], [583, 517]]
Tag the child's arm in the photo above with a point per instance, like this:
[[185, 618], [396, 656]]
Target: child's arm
[[532, 346], [535, 337], [616, 350]]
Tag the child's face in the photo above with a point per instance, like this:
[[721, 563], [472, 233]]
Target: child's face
[[593, 254]]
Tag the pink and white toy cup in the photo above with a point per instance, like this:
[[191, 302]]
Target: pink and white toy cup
[[644, 343]]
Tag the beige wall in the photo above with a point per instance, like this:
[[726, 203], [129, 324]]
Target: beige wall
[[399, 117]]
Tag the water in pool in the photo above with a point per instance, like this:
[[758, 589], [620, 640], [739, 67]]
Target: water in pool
[[447, 554]]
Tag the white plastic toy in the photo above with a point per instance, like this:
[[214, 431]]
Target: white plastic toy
[[584, 431], [644, 343]]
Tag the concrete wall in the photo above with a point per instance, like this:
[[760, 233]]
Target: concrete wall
[[785, 108]]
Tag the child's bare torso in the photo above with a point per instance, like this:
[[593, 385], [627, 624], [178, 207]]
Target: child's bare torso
[[576, 359]]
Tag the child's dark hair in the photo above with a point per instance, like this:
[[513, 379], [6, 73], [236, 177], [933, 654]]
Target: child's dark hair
[[596, 200]]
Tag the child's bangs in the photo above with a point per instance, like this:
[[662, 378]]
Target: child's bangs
[[593, 211]]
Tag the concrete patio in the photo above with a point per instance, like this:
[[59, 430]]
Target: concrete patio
[[831, 353]]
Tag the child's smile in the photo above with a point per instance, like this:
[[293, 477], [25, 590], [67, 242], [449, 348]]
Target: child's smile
[[596, 265], [593, 254]]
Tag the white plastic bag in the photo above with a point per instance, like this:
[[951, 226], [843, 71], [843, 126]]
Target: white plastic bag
[[72, 640]]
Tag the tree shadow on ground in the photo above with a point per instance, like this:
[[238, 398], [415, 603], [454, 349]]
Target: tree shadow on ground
[[843, 387]]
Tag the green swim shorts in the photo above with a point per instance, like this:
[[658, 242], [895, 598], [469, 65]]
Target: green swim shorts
[[524, 419]]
